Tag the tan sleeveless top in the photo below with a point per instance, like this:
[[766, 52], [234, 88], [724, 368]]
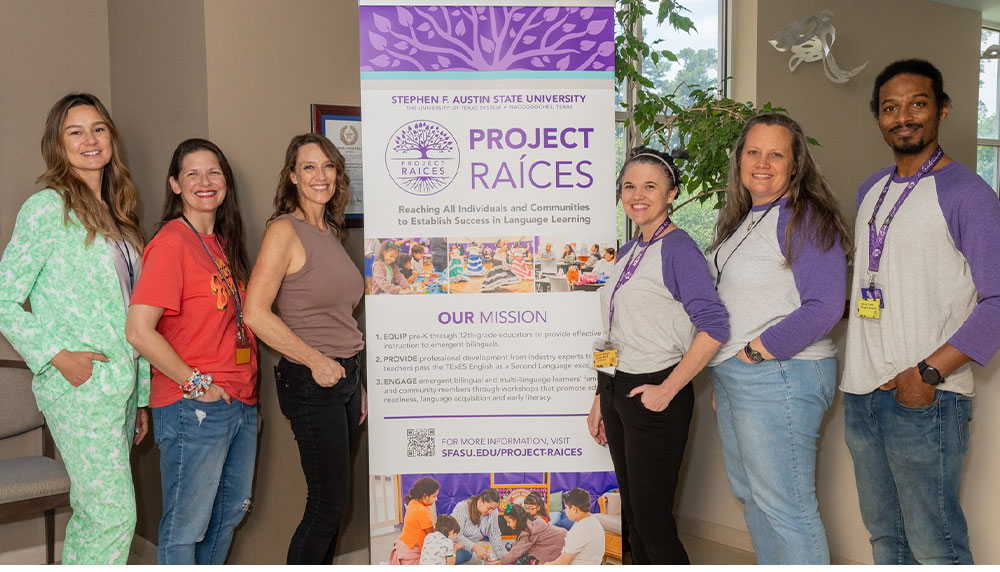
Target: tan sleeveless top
[[317, 302]]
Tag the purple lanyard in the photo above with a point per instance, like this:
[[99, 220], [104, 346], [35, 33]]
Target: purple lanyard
[[630, 268], [876, 239]]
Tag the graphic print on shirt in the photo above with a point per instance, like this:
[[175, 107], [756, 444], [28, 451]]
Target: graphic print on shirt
[[219, 283]]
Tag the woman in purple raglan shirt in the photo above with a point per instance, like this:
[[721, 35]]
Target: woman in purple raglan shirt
[[780, 267], [666, 323]]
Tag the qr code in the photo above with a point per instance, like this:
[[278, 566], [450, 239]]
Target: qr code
[[420, 442]]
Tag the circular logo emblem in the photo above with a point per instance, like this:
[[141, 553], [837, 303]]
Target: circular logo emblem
[[348, 135], [422, 157]]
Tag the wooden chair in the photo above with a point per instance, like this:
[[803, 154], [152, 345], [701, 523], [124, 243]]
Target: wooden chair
[[29, 485]]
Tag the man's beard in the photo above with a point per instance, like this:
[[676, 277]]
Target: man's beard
[[909, 147]]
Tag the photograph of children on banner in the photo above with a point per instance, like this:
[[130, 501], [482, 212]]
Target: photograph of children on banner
[[491, 264], [406, 266], [495, 518], [571, 266]]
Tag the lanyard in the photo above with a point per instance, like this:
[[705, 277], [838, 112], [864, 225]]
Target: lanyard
[[753, 225], [234, 290], [128, 261], [876, 239], [630, 268]]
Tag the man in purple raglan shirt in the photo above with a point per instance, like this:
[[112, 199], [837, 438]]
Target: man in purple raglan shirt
[[925, 301]]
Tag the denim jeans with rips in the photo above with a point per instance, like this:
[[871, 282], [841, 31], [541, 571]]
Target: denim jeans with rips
[[207, 453]]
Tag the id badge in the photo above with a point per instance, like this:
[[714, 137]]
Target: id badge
[[870, 303], [605, 357], [243, 353]]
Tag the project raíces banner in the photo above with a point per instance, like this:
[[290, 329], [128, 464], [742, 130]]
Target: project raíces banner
[[489, 180]]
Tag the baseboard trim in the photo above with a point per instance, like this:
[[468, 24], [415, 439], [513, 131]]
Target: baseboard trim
[[30, 555], [144, 550], [361, 556], [732, 537], [722, 534]]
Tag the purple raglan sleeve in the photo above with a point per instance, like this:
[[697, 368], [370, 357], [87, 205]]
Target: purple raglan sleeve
[[685, 274], [821, 279], [625, 249], [972, 212]]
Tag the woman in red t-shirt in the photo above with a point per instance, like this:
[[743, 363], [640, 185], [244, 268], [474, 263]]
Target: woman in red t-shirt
[[185, 317]]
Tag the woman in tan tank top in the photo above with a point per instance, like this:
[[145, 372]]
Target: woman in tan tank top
[[304, 270]]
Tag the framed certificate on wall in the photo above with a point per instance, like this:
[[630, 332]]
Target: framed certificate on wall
[[341, 124]]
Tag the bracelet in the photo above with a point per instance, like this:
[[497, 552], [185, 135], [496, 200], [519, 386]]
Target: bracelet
[[196, 385]]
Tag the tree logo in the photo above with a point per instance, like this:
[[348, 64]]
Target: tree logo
[[422, 157]]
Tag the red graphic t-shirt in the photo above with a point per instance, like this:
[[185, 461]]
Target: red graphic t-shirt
[[199, 316]]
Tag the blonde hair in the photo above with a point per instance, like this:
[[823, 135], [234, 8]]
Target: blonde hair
[[117, 189]]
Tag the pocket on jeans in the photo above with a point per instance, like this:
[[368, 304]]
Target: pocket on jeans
[[932, 406]]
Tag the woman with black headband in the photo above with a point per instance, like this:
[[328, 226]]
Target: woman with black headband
[[663, 323], [779, 265]]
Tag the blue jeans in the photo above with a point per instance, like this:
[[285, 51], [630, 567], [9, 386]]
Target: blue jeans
[[207, 453], [908, 466], [769, 416]]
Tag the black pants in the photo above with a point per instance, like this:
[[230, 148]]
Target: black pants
[[647, 449], [325, 423]]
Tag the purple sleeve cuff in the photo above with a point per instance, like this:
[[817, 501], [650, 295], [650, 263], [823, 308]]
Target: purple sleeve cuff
[[685, 274], [972, 212], [821, 279]]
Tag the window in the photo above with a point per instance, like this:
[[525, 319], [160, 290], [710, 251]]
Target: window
[[989, 126], [698, 64]]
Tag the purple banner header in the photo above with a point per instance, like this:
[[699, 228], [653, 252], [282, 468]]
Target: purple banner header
[[487, 38]]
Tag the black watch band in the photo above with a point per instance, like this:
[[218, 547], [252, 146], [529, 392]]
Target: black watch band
[[929, 373]]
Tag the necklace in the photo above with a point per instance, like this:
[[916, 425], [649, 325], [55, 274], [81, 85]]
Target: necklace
[[753, 224]]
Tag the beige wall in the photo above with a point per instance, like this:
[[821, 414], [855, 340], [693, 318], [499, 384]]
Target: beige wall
[[160, 87], [36, 69], [267, 62], [852, 148]]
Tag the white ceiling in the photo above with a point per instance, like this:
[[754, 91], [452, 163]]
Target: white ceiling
[[990, 9]]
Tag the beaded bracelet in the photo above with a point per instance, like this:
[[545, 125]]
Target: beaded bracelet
[[196, 385]]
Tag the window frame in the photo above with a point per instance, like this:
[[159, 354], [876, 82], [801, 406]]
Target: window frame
[[722, 51], [992, 142]]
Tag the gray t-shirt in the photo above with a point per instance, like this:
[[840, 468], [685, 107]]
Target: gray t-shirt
[[663, 306], [939, 277], [792, 308]]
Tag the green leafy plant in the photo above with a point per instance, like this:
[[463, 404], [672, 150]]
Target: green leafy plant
[[702, 122]]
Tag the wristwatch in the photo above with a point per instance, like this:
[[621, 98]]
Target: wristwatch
[[929, 374], [753, 355]]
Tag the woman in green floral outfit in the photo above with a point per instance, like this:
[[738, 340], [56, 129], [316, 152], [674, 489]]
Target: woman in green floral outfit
[[75, 254]]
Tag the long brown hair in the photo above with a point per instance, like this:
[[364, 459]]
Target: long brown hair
[[286, 198], [117, 189], [810, 199], [228, 223], [486, 495]]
